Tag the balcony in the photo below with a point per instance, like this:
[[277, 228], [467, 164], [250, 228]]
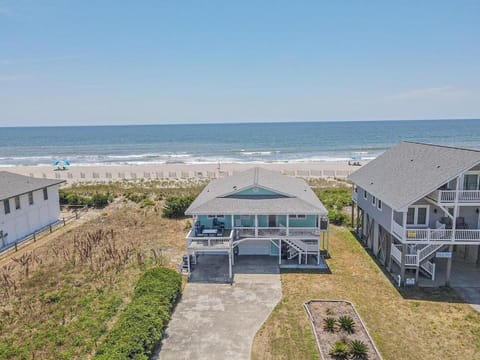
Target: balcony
[[272, 232], [437, 236], [464, 196], [210, 240]]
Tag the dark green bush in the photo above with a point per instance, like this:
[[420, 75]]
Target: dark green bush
[[346, 324], [329, 324], [338, 217], [140, 327], [358, 350], [100, 200], [175, 206]]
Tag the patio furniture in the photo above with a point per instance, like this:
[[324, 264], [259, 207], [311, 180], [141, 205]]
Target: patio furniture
[[217, 224], [209, 231], [220, 232], [447, 221], [198, 229]]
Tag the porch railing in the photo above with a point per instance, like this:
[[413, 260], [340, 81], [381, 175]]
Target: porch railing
[[448, 196], [442, 235], [277, 231], [209, 241]]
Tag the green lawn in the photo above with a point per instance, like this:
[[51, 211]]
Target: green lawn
[[420, 324]]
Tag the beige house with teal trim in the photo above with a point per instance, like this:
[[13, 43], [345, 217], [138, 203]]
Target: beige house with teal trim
[[259, 212]]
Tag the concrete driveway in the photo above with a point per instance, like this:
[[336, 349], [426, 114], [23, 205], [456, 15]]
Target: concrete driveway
[[219, 321]]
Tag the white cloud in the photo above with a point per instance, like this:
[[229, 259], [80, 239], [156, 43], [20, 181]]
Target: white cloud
[[429, 93]]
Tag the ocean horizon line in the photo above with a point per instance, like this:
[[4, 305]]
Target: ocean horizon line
[[237, 123]]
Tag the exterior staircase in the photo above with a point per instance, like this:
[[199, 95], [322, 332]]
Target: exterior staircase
[[299, 248], [419, 257]]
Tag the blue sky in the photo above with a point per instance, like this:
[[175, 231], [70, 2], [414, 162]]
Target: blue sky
[[138, 62]]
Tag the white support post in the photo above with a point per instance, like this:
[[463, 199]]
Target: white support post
[[288, 224], [280, 252], [404, 220], [188, 263], [455, 210], [256, 225], [230, 264], [318, 251]]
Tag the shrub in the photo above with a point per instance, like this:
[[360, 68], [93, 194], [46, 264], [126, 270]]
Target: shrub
[[329, 324], [100, 200], [346, 324], [339, 350], [337, 217], [175, 206], [140, 327], [358, 350], [147, 202]]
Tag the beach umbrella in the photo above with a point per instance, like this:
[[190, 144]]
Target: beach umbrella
[[61, 163]]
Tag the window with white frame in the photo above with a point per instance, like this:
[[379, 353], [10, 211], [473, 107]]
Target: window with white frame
[[30, 198], [379, 204], [297, 216], [216, 216], [365, 194], [417, 215], [373, 200], [17, 202], [45, 194], [355, 188]]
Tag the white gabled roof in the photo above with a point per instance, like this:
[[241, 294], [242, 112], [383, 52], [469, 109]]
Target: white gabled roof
[[294, 195], [409, 171]]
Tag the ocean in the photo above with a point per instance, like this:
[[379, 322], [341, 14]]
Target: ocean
[[236, 143]]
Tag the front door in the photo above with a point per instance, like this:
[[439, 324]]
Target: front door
[[272, 220]]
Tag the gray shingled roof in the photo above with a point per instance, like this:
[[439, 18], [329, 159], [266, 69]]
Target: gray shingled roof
[[12, 185], [409, 171], [298, 197]]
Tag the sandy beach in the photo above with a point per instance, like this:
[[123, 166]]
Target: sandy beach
[[106, 173]]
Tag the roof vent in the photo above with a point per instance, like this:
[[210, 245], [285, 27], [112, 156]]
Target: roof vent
[[371, 182], [438, 166], [411, 159]]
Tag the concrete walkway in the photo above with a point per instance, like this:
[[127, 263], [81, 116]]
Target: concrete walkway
[[219, 321]]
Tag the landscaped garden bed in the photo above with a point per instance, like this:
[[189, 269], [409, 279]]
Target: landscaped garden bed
[[340, 332]]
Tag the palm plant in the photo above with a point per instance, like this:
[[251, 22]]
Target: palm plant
[[358, 350], [347, 324], [339, 351], [329, 324]]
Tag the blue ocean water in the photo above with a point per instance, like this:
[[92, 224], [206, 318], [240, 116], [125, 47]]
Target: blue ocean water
[[211, 143]]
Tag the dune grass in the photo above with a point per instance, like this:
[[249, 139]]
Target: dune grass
[[73, 294], [414, 324]]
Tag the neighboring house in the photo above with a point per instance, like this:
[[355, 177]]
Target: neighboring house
[[259, 212], [26, 205], [418, 207]]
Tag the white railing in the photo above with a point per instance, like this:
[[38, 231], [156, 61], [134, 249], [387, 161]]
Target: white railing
[[396, 253], [448, 196], [209, 243], [304, 231], [272, 231], [429, 267], [447, 235], [277, 231], [427, 251], [398, 229]]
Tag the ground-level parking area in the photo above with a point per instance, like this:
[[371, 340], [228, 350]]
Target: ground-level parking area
[[219, 320]]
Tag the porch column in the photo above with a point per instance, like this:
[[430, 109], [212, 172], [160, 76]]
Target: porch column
[[353, 207], [230, 264], [358, 222], [402, 266], [288, 224], [388, 252], [318, 252], [280, 252], [449, 266], [404, 223], [256, 225], [188, 262]]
